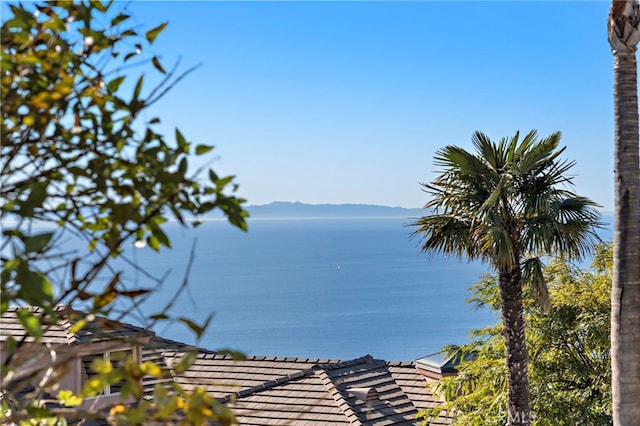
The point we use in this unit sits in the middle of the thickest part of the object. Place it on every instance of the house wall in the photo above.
(63, 363)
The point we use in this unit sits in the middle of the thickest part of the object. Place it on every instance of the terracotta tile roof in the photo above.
(53, 333)
(59, 333)
(417, 387)
(271, 390)
(299, 391)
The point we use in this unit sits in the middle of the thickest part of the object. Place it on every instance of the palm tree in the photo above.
(624, 33)
(508, 204)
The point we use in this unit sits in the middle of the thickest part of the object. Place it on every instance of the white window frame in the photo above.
(86, 373)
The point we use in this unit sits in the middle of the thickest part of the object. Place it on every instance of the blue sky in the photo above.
(347, 102)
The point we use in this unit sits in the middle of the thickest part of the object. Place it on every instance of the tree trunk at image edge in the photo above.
(518, 401)
(623, 27)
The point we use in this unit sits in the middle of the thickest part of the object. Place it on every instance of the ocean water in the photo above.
(317, 288)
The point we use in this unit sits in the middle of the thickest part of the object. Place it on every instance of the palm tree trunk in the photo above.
(518, 401)
(624, 21)
(625, 296)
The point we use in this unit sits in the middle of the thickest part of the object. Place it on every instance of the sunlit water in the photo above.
(314, 288)
(317, 288)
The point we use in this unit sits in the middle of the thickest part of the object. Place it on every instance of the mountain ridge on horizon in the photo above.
(297, 209)
(291, 209)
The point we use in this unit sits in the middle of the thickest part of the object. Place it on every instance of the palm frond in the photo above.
(533, 276)
(510, 149)
(524, 146)
(567, 226)
(507, 198)
(539, 155)
(498, 243)
(446, 234)
(485, 148)
(461, 162)
(496, 195)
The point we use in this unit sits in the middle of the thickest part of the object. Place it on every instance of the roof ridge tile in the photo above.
(267, 385)
(338, 397)
(366, 359)
(401, 363)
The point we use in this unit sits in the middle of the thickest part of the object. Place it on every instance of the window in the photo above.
(117, 359)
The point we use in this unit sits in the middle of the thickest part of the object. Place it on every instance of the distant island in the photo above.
(286, 210)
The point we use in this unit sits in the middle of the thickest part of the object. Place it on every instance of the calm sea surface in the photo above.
(322, 288)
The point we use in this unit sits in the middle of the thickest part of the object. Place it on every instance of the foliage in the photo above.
(508, 204)
(508, 199)
(81, 158)
(570, 362)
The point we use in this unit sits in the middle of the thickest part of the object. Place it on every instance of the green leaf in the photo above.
(10, 346)
(98, 5)
(12, 233)
(68, 399)
(185, 362)
(138, 89)
(183, 145)
(177, 214)
(78, 326)
(135, 293)
(222, 182)
(23, 15)
(118, 19)
(203, 149)
(35, 288)
(16, 23)
(161, 236)
(38, 412)
(153, 242)
(36, 198)
(78, 171)
(160, 316)
(55, 24)
(156, 63)
(153, 33)
(152, 369)
(197, 329)
(129, 56)
(37, 242)
(109, 294)
(114, 84)
(104, 299)
(30, 322)
(182, 166)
